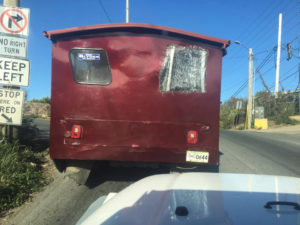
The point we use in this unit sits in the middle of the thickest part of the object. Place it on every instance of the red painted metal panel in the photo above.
(133, 27)
(130, 119)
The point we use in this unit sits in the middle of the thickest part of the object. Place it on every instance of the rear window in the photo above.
(90, 66)
(184, 69)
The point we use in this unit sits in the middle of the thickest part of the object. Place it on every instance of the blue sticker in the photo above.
(88, 56)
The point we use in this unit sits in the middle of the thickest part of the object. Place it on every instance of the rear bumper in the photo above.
(129, 154)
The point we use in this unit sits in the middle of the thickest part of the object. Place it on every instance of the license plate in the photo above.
(196, 156)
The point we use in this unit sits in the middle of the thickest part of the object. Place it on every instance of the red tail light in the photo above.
(192, 137)
(76, 131)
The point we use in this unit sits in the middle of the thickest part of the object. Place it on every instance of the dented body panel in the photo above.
(133, 118)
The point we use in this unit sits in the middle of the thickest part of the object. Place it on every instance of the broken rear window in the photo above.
(184, 69)
(90, 66)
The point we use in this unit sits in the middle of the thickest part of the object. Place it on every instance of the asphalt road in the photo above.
(260, 153)
(44, 127)
(63, 202)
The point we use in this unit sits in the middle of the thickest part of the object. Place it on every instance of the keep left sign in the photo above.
(14, 72)
(14, 20)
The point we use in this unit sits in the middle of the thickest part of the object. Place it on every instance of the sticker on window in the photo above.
(88, 56)
(90, 66)
(197, 156)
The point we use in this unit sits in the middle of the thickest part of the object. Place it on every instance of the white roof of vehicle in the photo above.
(209, 198)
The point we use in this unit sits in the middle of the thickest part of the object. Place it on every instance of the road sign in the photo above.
(13, 46)
(11, 104)
(14, 72)
(14, 20)
(239, 104)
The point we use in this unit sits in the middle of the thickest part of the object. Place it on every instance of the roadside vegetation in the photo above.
(20, 174)
(21, 171)
(42, 100)
(276, 110)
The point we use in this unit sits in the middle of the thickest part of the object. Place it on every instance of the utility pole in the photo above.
(298, 90)
(249, 111)
(127, 11)
(12, 131)
(278, 55)
(14, 3)
(248, 120)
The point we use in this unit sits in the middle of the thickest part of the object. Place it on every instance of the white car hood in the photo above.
(209, 198)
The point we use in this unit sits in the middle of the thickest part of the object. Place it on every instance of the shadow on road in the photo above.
(102, 173)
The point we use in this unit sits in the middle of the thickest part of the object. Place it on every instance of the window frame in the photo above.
(168, 59)
(73, 71)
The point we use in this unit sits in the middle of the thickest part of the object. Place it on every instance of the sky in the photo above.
(254, 23)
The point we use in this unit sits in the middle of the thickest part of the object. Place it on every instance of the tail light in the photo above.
(192, 137)
(76, 131)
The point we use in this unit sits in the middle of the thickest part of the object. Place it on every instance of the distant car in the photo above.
(200, 198)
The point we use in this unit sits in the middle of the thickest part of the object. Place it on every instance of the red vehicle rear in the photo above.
(135, 93)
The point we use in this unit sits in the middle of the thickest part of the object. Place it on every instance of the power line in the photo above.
(262, 17)
(244, 85)
(289, 76)
(262, 29)
(286, 77)
(267, 34)
(240, 89)
(263, 63)
(258, 29)
(104, 10)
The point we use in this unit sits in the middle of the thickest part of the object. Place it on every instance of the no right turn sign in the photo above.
(14, 20)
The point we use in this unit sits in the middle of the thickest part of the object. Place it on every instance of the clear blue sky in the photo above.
(254, 23)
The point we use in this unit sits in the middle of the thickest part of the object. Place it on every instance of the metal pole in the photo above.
(127, 11)
(12, 132)
(298, 90)
(249, 112)
(253, 90)
(14, 3)
(278, 55)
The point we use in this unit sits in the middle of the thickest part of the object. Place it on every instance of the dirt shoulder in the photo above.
(292, 129)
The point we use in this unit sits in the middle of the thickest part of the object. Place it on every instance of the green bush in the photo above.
(284, 118)
(227, 117)
(20, 174)
(277, 109)
(42, 100)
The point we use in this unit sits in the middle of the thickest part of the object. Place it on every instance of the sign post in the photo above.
(14, 68)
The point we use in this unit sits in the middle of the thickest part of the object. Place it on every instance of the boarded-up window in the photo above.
(184, 69)
(90, 66)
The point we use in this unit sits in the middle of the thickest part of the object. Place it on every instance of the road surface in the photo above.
(44, 128)
(260, 153)
(63, 202)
